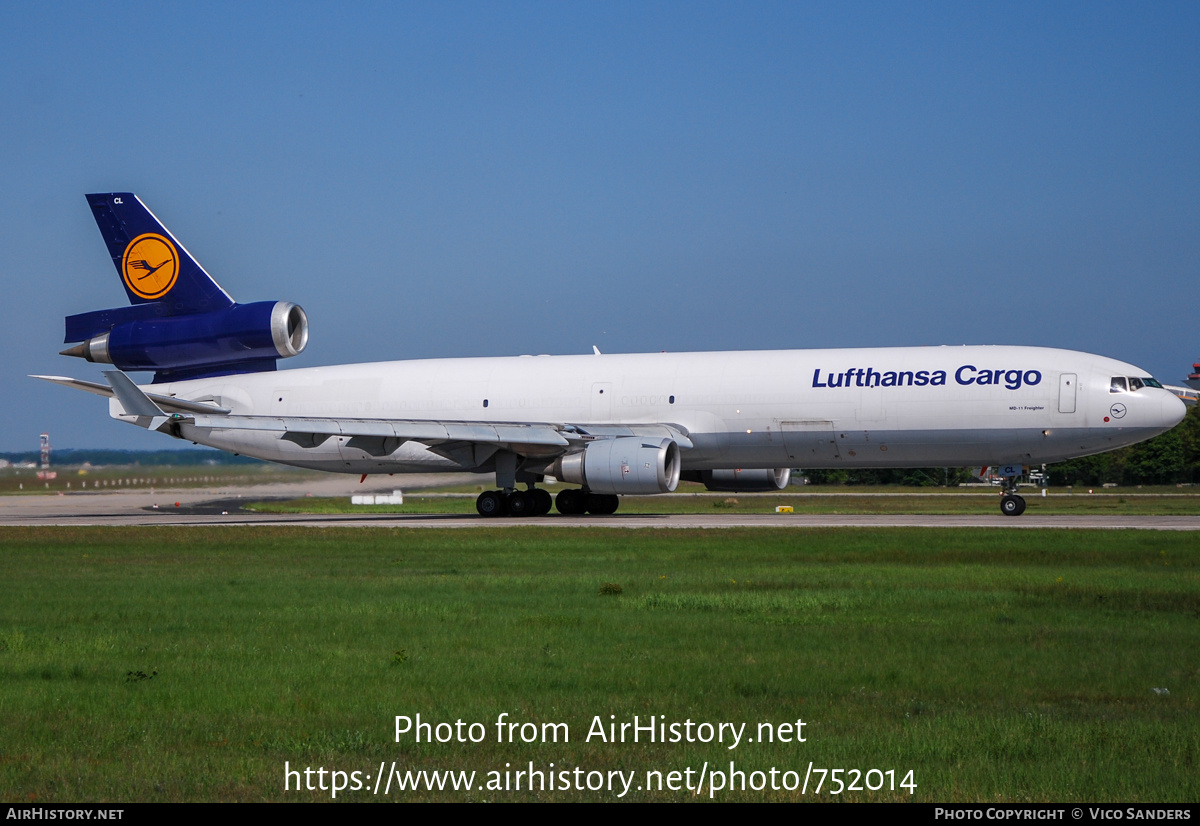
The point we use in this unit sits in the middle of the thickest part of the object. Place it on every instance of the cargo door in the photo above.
(810, 443)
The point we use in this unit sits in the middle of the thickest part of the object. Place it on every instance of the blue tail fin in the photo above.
(179, 322)
(153, 266)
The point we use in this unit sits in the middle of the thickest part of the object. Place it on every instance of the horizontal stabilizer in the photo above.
(167, 403)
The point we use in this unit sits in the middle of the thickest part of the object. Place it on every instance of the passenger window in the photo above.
(1118, 385)
(1135, 384)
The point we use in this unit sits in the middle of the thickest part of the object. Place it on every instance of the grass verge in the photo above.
(190, 664)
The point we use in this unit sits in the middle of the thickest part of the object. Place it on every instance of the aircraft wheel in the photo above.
(543, 501)
(570, 502)
(490, 503)
(520, 504)
(602, 503)
(1011, 505)
(1021, 502)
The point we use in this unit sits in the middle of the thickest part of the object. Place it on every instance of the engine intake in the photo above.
(624, 465)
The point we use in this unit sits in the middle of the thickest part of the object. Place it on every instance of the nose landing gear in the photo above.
(1012, 505)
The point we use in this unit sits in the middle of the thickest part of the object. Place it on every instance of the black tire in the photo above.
(1021, 501)
(602, 504)
(1011, 505)
(570, 502)
(520, 504)
(542, 500)
(490, 503)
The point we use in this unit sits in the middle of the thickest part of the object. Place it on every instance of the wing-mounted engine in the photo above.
(742, 481)
(629, 464)
(237, 339)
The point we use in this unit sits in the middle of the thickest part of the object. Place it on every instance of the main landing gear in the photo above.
(532, 502)
(576, 502)
(538, 502)
(508, 501)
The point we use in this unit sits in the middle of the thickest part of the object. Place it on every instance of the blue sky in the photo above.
(460, 179)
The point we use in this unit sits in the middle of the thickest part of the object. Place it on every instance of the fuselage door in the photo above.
(810, 442)
(1066, 392)
(602, 401)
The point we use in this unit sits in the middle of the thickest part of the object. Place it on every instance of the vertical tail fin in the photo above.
(153, 266)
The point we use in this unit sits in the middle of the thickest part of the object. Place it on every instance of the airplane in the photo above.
(606, 424)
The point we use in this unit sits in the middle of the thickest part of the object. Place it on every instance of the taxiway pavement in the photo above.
(219, 506)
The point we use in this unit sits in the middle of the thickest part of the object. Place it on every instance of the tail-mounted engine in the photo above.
(241, 338)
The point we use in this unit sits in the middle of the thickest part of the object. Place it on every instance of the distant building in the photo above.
(46, 472)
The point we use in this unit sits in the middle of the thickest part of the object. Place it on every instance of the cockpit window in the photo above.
(1130, 384)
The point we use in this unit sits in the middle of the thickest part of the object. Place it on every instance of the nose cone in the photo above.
(1173, 411)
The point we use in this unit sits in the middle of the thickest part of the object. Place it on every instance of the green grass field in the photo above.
(190, 664)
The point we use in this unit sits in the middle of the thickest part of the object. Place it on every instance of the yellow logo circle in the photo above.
(150, 266)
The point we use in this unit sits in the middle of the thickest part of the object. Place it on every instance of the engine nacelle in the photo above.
(625, 465)
(746, 481)
(236, 339)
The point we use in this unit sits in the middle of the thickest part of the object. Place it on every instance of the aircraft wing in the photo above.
(460, 441)
(456, 440)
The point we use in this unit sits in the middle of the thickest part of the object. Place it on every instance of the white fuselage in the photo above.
(853, 408)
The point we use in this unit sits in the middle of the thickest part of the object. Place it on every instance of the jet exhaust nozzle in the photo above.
(94, 349)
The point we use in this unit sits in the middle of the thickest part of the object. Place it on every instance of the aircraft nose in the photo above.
(1173, 410)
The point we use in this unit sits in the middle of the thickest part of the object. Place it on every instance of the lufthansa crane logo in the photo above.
(150, 266)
